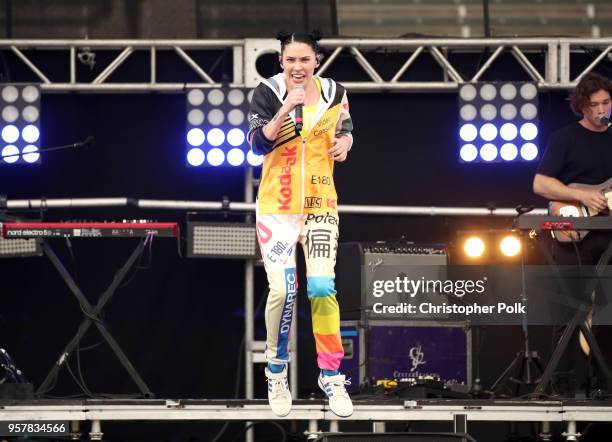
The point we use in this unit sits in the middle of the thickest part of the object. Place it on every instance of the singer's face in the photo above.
(299, 62)
(599, 103)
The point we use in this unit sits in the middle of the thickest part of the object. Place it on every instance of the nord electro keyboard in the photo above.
(89, 230)
(537, 222)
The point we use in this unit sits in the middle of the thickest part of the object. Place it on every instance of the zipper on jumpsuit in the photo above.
(303, 176)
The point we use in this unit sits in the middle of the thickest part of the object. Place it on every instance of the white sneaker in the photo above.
(334, 388)
(279, 395)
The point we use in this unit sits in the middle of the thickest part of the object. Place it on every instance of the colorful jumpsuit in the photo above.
(297, 202)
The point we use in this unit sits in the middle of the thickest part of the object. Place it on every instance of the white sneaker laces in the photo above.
(338, 388)
(278, 387)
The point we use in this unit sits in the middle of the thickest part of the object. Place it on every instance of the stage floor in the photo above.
(253, 410)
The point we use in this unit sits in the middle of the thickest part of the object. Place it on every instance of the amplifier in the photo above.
(392, 350)
(360, 264)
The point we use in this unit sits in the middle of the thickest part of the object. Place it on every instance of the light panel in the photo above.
(217, 126)
(498, 122)
(19, 124)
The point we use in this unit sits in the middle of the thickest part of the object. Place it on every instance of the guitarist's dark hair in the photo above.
(588, 85)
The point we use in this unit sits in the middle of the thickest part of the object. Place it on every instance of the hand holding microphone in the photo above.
(299, 109)
(295, 100)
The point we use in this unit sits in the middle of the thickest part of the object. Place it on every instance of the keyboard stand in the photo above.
(91, 315)
(578, 322)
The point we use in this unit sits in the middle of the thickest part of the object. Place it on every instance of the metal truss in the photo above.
(555, 74)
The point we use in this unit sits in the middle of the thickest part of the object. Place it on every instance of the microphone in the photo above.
(602, 119)
(299, 112)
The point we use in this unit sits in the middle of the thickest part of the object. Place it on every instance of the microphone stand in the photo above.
(89, 141)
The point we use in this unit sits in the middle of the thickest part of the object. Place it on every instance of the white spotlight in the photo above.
(195, 156)
(235, 157)
(235, 137)
(508, 112)
(468, 132)
(468, 152)
(216, 157)
(528, 91)
(508, 152)
(235, 97)
(195, 97)
(30, 154)
(467, 92)
(488, 152)
(488, 132)
(216, 137)
(10, 133)
(216, 97)
(488, 112)
(488, 92)
(30, 94)
(529, 111)
(195, 117)
(508, 131)
(30, 133)
(508, 91)
(10, 154)
(216, 117)
(10, 114)
(196, 137)
(235, 117)
(529, 131)
(253, 159)
(10, 94)
(529, 151)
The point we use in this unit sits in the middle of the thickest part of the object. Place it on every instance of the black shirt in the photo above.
(575, 154)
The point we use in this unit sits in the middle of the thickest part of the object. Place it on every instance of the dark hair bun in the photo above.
(316, 35)
(282, 35)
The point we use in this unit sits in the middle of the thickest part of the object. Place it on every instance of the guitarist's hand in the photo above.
(592, 198)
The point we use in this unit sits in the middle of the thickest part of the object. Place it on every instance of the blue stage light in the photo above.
(508, 131)
(195, 156)
(529, 131)
(468, 152)
(196, 137)
(488, 152)
(30, 134)
(10, 133)
(488, 132)
(529, 151)
(253, 159)
(216, 157)
(216, 137)
(508, 152)
(236, 137)
(235, 157)
(10, 154)
(30, 154)
(468, 132)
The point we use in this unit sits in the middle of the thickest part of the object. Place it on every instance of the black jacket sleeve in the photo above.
(261, 111)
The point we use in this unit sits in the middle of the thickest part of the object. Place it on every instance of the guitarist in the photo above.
(580, 152)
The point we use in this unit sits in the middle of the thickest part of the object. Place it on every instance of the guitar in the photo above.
(577, 209)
